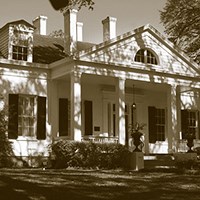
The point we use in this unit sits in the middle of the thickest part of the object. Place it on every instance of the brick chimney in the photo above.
(109, 28)
(40, 24)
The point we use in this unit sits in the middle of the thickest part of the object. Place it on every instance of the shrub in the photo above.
(189, 164)
(6, 151)
(89, 155)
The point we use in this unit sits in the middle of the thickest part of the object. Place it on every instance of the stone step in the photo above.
(159, 161)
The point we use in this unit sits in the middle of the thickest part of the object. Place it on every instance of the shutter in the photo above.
(198, 125)
(13, 116)
(152, 124)
(198, 128)
(88, 118)
(63, 117)
(41, 118)
(184, 123)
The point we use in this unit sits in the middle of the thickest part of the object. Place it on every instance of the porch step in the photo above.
(159, 161)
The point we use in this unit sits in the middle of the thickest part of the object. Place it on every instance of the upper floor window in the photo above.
(19, 53)
(145, 56)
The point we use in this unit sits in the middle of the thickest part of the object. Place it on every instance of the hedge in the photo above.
(67, 153)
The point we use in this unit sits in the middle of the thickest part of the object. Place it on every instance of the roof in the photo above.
(146, 28)
(21, 21)
(48, 49)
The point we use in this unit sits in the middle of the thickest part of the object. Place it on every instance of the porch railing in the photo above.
(100, 139)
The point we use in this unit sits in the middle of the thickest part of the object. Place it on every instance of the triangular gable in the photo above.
(122, 51)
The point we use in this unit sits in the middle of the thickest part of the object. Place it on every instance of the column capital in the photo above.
(76, 75)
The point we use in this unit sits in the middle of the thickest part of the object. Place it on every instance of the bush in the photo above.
(88, 155)
(6, 151)
(184, 165)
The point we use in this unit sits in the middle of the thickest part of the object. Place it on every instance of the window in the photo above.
(156, 124)
(160, 124)
(189, 123)
(127, 123)
(145, 56)
(27, 116)
(19, 53)
(112, 119)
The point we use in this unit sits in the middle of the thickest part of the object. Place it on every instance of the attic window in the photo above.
(145, 56)
(19, 53)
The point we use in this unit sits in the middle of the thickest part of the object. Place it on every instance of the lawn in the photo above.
(38, 184)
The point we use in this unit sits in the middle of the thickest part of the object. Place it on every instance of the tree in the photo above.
(60, 4)
(181, 19)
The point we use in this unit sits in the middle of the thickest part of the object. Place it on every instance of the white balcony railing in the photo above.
(100, 139)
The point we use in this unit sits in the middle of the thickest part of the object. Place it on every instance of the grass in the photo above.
(38, 184)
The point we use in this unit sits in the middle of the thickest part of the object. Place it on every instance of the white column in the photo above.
(76, 106)
(121, 96)
(53, 102)
(79, 31)
(178, 106)
(172, 117)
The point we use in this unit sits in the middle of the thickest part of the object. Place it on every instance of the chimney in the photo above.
(40, 24)
(70, 30)
(79, 31)
(109, 28)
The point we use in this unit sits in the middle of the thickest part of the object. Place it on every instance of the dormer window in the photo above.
(19, 53)
(20, 41)
(146, 56)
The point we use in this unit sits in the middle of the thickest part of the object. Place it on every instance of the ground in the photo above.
(49, 184)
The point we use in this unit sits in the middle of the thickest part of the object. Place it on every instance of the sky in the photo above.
(130, 14)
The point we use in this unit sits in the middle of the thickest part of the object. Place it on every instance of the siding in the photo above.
(4, 36)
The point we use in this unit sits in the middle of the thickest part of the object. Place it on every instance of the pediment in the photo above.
(122, 50)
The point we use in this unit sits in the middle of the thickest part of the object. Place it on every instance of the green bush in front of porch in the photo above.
(88, 155)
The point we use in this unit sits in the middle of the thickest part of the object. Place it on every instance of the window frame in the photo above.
(157, 125)
(13, 117)
(160, 124)
(21, 108)
(146, 56)
(112, 117)
(189, 116)
(19, 52)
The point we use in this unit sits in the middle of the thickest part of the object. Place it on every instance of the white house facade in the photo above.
(58, 88)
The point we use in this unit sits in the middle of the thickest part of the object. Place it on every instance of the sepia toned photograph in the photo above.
(100, 100)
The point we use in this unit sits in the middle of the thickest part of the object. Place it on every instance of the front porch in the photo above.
(98, 108)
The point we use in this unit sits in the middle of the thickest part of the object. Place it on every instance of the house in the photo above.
(66, 88)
